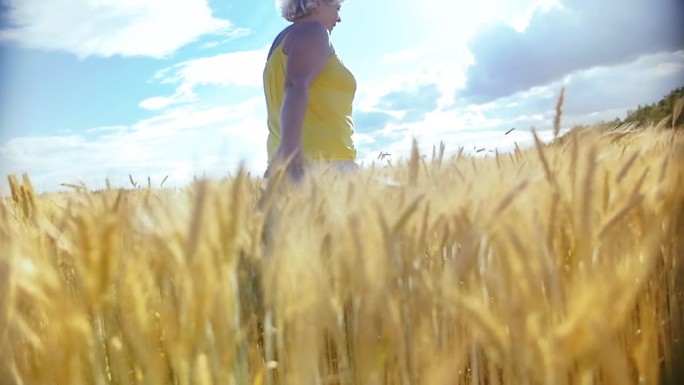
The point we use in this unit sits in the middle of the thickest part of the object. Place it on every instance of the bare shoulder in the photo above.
(308, 33)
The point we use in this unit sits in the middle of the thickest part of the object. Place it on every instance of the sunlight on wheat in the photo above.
(560, 264)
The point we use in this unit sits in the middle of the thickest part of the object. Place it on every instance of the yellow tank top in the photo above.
(328, 125)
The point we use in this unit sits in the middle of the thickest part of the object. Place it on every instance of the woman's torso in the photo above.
(328, 127)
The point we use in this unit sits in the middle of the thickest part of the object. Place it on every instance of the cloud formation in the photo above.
(181, 143)
(242, 69)
(414, 103)
(576, 36)
(111, 27)
(624, 87)
(592, 95)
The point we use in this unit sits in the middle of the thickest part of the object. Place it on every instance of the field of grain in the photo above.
(557, 264)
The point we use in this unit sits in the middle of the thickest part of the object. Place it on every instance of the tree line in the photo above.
(656, 112)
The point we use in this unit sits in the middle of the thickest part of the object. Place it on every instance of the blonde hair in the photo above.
(292, 10)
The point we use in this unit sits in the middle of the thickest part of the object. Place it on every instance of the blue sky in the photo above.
(95, 89)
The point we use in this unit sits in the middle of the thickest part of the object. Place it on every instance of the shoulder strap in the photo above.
(278, 39)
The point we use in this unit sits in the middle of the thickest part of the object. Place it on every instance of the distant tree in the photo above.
(656, 112)
(643, 116)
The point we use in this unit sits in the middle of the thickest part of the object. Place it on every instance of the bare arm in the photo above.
(308, 51)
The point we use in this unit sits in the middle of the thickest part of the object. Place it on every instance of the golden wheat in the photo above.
(559, 264)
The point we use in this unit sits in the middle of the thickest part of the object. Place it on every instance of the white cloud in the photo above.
(401, 56)
(521, 21)
(156, 103)
(575, 36)
(182, 119)
(448, 75)
(106, 28)
(361, 139)
(108, 129)
(459, 21)
(592, 95)
(242, 69)
(234, 34)
(181, 143)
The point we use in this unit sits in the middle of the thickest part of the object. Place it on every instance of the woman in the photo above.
(309, 92)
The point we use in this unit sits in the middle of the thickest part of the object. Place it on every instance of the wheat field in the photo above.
(557, 264)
